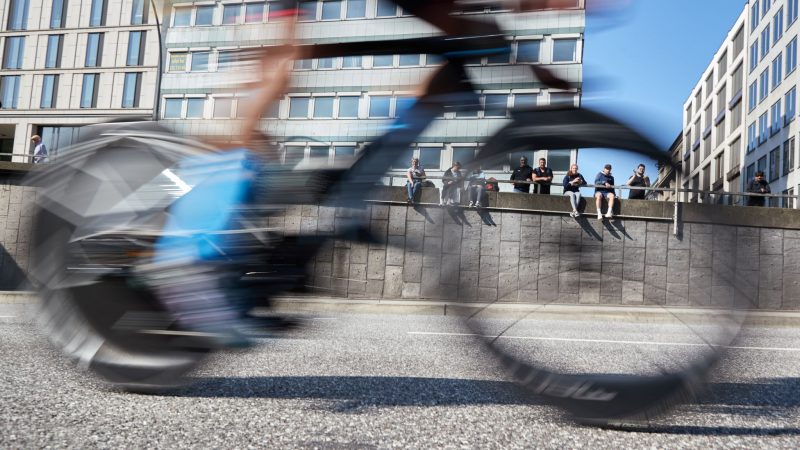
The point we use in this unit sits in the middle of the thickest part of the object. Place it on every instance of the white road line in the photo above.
(7, 317)
(606, 341)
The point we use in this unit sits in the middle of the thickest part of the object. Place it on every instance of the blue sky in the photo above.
(642, 64)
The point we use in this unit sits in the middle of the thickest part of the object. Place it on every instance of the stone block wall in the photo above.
(15, 224)
(427, 252)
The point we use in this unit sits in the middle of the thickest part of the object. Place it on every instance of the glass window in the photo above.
(348, 107)
(763, 128)
(254, 12)
(788, 163)
(754, 15)
(432, 60)
(308, 10)
(738, 42)
(89, 90)
(736, 116)
(764, 83)
(351, 61)
(564, 50)
(774, 164)
(177, 62)
(791, 11)
(430, 157)
(752, 96)
(298, 107)
(318, 152)
(323, 107)
(9, 91)
(403, 160)
(97, 13)
(356, 9)
(777, 71)
(94, 50)
(325, 63)
(195, 108)
(331, 10)
(562, 98)
(752, 137)
(528, 51)
(722, 66)
(223, 107)
(753, 55)
(49, 91)
(558, 160)
(227, 59)
(464, 155)
(775, 111)
(790, 100)
(765, 42)
(495, 105)
(409, 60)
(135, 48)
(344, 151)
(379, 106)
(14, 52)
(231, 14)
(200, 61)
(302, 64)
(131, 90)
(382, 60)
(525, 100)
(777, 26)
(293, 154)
(18, 15)
(761, 165)
(139, 12)
(204, 15)
(172, 108)
(182, 17)
(58, 14)
(54, 46)
(791, 56)
(402, 104)
(386, 8)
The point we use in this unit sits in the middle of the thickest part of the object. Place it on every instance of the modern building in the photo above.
(337, 105)
(772, 128)
(68, 63)
(669, 176)
(713, 121)
(740, 117)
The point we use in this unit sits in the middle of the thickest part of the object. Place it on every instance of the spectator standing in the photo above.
(543, 176)
(758, 185)
(451, 185)
(522, 173)
(638, 179)
(477, 188)
(572, 183)
(604, 188)
(39, 150)
(415, 175)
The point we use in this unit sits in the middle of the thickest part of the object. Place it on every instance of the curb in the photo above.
(655, 314)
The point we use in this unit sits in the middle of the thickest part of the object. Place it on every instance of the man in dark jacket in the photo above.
(522, 173)
(543, 176)
(604, 188)
(758, 186)
(452, 181)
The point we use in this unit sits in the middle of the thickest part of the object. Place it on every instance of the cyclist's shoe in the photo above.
(273, 324)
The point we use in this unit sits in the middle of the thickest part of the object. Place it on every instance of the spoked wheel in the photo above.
(92, 309)
(564, 347)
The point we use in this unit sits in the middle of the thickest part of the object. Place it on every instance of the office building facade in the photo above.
(337, 105)
(68, 63)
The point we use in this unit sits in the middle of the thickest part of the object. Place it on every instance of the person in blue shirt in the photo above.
(604, 188)
(572, 183)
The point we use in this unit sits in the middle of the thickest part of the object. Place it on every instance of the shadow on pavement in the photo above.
(362, 391)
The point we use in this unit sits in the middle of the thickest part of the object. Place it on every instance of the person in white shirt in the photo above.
(39, 150)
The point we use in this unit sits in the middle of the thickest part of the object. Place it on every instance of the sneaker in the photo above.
(410, 201)
(575, 214)
(478, 205)
(599, 215)
(609, 214)
(471, 204)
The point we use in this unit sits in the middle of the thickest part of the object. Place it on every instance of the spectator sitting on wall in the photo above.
(39, 150)
(522, 173)
(543, 176)
(604, 182)
(415, 175)
(638, 179)
(573, 180)
(451, 185)
(758, 185)
(477, 188)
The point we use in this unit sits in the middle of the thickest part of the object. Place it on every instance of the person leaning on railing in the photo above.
(758, 185)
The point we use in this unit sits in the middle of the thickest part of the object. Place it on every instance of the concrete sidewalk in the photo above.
(655, 314)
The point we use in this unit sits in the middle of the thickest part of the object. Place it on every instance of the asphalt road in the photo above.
(379, 381)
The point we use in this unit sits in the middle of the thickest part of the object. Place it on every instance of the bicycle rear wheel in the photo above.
(584, 333)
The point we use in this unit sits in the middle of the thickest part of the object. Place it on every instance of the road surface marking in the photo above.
(606, 341)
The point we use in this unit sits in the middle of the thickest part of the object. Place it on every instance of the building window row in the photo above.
(343, 106)
(90, 83)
